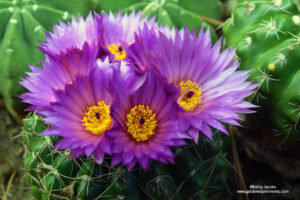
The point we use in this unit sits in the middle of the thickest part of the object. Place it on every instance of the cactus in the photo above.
(175, 13)
(266, 34)
(200, 171)
(22, 26)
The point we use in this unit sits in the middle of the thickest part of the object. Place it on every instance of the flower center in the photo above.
(118, 51)
(97, 120)
(190, 95)
(141, 123)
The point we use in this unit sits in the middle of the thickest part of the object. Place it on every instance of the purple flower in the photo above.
(210, 90)
(121, 28)
(104, 33)
(118, 34)
(81, 116)
(146, 127)
(73, 35)
(57, 72)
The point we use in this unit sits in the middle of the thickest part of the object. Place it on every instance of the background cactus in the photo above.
(267, 37)
(200, 172)
(175, 13)
(22, 26)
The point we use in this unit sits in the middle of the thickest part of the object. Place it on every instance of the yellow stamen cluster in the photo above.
(97, 120)
(190, 95)
(119, 53)
(141, 123)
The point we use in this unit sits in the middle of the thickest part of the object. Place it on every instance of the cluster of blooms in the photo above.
(124, 86)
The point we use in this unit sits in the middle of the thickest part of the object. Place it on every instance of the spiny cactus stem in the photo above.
(32, 177)
(178, 151)
(120, 197)
(48, 141)
(195, 149)
(45, 146)
(86, 182)
(226, 160)
(258, 88)
(109, 186)
(69, 190)
(191, 174)
(211, 172)
(159, 182)
(143, 189)
(296, 41)
(86, 178)
(160, 178)
(55, 176)
(51, 169)
(206, 161)
(181, 185)
(36, 117)
(55, 196)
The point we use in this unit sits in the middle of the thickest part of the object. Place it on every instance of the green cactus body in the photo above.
(161, 185)
(199, 172)
(267, 38)
(206, 168)
(22, 26)
(175, 13)
(122, 186)
(87, 187)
